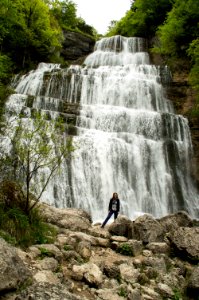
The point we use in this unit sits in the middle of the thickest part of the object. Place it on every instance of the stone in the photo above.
(172, 222)
(121, 226)
(68, 218)
(136, 247)
(146, 229)
(128, 273)
(150, 293)
(47, 291)
(112, 271)
(46, 276)
(13, 271)
(84, 249)
(185, 243)
(164, 290)
(50, 250)
(193, 283)
(119, 238)
(109, 294)
(90, 272)
(48, 263)
(158, 248)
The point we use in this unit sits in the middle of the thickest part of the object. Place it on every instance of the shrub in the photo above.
(125, 249)
(20, 228)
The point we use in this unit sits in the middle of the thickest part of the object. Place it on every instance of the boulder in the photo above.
(185, 243)
(88, 272)
(171, 222)
(146, 229)
(193, 284)
(158, 248)
(48, 263)
(68, 218)
(121, 226)
(13, 271)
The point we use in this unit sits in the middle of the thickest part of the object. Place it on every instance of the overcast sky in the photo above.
(99, 13)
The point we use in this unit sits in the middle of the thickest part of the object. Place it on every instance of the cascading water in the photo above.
(128, 138)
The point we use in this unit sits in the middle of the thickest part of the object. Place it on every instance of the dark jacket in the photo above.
(110, 207)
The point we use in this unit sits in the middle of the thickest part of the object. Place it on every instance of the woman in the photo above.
(114, 208)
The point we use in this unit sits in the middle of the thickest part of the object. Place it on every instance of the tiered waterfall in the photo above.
(127, 137)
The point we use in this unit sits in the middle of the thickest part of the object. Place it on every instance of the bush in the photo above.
(18, 227)
(125, 249)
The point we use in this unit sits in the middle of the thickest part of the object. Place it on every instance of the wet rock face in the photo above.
(183, 98)
(76, 45)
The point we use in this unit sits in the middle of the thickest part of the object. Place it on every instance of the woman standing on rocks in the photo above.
(114, 208)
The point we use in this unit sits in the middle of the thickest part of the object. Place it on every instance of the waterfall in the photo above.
(127, 137)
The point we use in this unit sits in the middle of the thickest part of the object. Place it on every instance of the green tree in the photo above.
(37, 146)
(180, 28)
(143, 18)
(27, 31)
(65, 13)
(193, 53)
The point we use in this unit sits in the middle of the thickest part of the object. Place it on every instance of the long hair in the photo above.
(115, 196)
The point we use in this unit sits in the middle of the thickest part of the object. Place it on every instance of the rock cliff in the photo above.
(183, 98)
(145, 259)
(76, 46)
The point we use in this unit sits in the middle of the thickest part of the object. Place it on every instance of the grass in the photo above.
(20, 229)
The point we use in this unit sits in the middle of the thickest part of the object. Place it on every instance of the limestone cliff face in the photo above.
(76, 46)
(183, 98)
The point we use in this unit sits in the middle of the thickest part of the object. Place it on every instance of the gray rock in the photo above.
(146, 229)
(158, 248)
(76, 45)
(193, 284)
(120, 227)
(13, 271)
(185, 242)
(47, 291)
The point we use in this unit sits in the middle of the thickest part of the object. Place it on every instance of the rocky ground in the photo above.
(145, 259)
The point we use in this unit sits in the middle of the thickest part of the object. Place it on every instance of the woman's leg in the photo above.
(107, 218)
(115, 215)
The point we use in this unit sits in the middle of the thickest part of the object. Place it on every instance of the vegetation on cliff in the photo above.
(173, 28)
(31, 32)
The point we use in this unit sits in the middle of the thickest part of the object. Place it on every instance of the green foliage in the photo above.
(180, 28)
(177, 295)
(21, 229)
(193, 53)
(125, 249)
(143, 18)
(38, 146)
(68, 247)
(45, 253)
(122, 292)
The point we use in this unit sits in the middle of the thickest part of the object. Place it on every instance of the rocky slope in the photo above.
(145, 259)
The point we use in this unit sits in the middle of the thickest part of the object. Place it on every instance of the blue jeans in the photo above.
(109, 216)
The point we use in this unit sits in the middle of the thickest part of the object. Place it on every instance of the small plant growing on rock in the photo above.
(122, 292)
(45, 253)
(125, 249)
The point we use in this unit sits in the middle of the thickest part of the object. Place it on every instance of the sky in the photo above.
(99, 13)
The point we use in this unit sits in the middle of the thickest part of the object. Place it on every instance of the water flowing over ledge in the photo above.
(128, 139)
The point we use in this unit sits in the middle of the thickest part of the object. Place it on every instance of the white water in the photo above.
(129, 139)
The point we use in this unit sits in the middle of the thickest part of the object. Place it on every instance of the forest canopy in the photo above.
(31, 31)
(172, 28)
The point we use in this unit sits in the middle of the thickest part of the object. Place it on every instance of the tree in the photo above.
(37, 146)
(180, 29)
(27, 31)
(143, 18)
